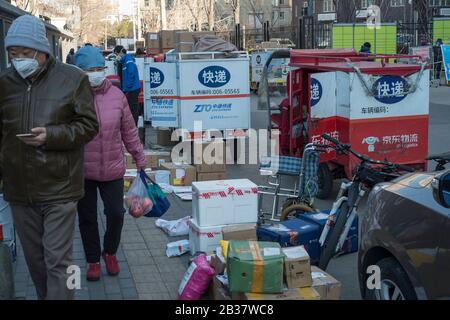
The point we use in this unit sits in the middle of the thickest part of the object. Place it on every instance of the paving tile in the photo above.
(154, 296)
(151, 287)
(134, 246)
(115, 296)
(132, 238)
(147, 277)
(144, 269)
(112, 289)
(139, 257)
(158, 252)
(130, 294)
(127, 283)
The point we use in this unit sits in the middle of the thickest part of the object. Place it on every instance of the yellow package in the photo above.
(224, 246)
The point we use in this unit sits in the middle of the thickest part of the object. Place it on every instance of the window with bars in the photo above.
(366, 3)
(328, 6)
(397, 3)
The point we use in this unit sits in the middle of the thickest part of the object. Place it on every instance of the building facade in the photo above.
(344, 11)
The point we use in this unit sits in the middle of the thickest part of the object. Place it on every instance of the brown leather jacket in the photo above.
(59, 99)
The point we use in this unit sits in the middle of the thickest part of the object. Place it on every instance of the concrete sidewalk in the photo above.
(146, 272)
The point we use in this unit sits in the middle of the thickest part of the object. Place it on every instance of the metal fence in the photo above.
(310, 34)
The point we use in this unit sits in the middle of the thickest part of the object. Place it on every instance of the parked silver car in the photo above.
(405, 238)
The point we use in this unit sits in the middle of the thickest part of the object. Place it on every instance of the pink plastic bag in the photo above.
(196, 280)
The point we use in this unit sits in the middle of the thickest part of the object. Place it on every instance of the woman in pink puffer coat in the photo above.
(105, 166)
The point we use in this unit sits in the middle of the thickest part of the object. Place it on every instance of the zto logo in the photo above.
(258, 59)
(316, 92)
(373, 17)
(371, 143)
(390, 89)
(74, 280)
(156, 78)
(214, 76)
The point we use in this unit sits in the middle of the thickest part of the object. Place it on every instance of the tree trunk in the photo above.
(163, 15)
(211, 15)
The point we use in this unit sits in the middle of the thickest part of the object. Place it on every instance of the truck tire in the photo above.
(325, 181)
(395, 284)
(327, 251)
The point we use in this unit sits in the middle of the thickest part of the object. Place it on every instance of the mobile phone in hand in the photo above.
(25, 135)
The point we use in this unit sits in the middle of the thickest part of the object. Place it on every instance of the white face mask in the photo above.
(96, 78)
(26, 66)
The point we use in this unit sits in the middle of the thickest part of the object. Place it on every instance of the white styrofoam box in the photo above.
(204, 239)
(6, 221)
(222, 202)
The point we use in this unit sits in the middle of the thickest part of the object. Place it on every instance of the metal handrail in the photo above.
(213, 54)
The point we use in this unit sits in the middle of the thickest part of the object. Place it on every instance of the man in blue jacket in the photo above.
(131, 85)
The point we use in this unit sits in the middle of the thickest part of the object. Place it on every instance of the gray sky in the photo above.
(126, 6)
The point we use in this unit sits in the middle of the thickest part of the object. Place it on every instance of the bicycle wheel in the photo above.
(328, 249)
(293, 208)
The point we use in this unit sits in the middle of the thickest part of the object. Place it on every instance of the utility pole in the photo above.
(163, 15)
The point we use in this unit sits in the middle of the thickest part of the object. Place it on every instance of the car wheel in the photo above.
(325, 181)
(395, 284)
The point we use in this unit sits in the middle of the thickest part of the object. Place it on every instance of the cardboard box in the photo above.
(184, 37)
(218, 291)
(224, 202)
(211, 176)
(167, 39)
(255, 267)
(140, 45)
(204, 239)
(164, 138)
(153, 42)
(211, 168)
(240, 232)
(213, 153)
(327, 286)
(154, 159)
(184, 47)
(290, 294)
(180, 174)
(297, 267)
(218, 263)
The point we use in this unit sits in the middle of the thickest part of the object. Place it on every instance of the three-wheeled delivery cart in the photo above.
(374, 103)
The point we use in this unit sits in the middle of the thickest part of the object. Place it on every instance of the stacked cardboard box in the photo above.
(152, 42)
(301, 281)
(185, 39)
(164, 137)
(180, 174)
(210, 160)
(154, 159)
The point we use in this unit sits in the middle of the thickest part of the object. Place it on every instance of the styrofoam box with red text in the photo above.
(204, 239)
(222, 202)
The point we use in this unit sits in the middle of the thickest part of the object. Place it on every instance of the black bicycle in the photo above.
(366, 175)
(441, 159)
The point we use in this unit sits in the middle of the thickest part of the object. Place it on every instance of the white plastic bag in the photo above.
(177, 248)
(174, 228)
(137, 199)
